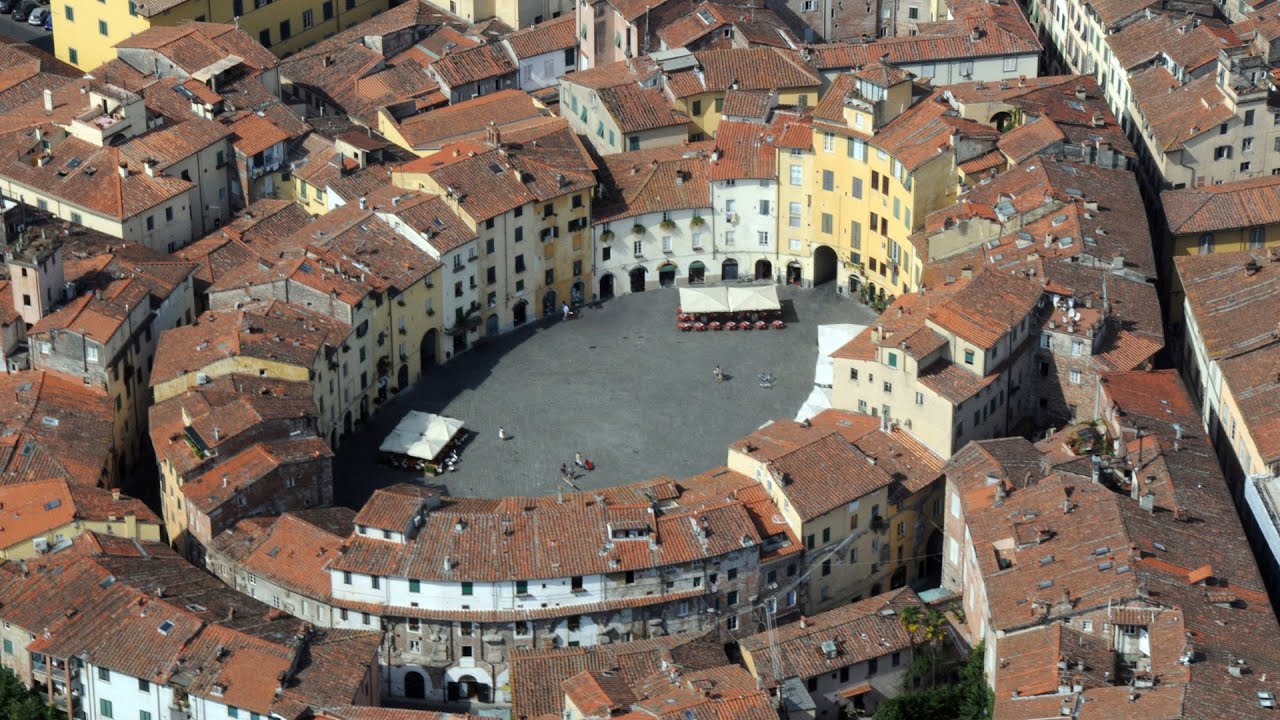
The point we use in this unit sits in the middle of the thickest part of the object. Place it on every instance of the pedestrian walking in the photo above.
(579, 461)
(502, 433)
(565, 309)
(719, 374)
(564, 473)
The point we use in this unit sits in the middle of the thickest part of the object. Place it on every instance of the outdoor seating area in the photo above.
(423, 441)
(729, 308)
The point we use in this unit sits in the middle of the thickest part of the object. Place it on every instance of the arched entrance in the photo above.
(824, 265)
(468, 688)
(697, 273)
(415, 685)
(667, 275)
(606, 287)
(549, 303)
(1002, 121)
(854, 284)
(577, 293)
(427, 349)
(491, 325)
(346, 423)
(793, 273)
(729, 270)
(520, 312)
(402, 377)
(637, 279)
(764, 270)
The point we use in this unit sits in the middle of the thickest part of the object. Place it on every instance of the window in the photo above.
(104, 708)
(1222, 152)
(102, 28)
(1046, 340)
(828, 142)
(1010, 64)
(467, 589)
(8, 647)
(793, 214)
(73, 56)
(346, 577)
(1248, 117)
(285, 31)
(144, 686)
(797, 175)
(826, 567)
(1256, 238)
(264, 36)
(1077, 347)
(326, 10)
(762, 237)
(1246, 166)
(764, 208)
(1206, 243)
(828, 180)
(104, 674)
(168, 215)
(666, 244)
(853, 373)
(520, 263)
(70, 13)
(1246, 145)
(888, 387)
(308, 19)
(919, 398)
(968, 357)
(697, 107)
(826, 223)
(893, 360)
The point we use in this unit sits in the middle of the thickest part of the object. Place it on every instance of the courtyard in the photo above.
(619, 384)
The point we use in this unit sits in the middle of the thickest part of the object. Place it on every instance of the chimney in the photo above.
(976, 34)
(1098, 120)
(1022, 81)
(364, 203)
(1080, 92)
(123, 170)
(115, 494)
(150, 165)
(966, 272)
(804, 622)
(48, 101)
(492, 135)
(1148, 502)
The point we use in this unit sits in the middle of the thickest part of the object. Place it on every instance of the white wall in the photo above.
(122, 691)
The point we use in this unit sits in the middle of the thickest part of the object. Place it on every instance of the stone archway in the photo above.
(637, 276)
(824, 265)
(549, 306)
(729, 269)
(667, 275)
(697, 272)
(606, 287)
(427, 349)
(402, 378)
(577, 293)
(764, 269)
(415, 685)
(520, 312)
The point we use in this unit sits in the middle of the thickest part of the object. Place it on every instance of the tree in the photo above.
(19, 703)
(967, 699)
(911, 619)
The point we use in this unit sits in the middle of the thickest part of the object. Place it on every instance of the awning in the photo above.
(421, 435)
(853, 692)
(704, 300)
(696, 265)
(754, 298)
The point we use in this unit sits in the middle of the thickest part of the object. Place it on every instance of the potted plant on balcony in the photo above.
(697, 221)
(637, 229)
(668, 224)
(606, 236)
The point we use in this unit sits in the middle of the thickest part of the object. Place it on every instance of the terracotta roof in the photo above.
(1255, 386)
(984, 310)
(468, 119)
(547, 37)
(1026, 141)
(743, 152)
(1234, 310)
(1228, 206)
(637, 109)
(1175, 113)
(194, 46)
(536, 673)
(757, 26)
(748, 104)
(1190, 42)
(917, 135)
(33, 509)
(743, 68)
(861, 631)
(655, 180)
(469, 65)
(903, 326)
(219, 335)
(56, 427)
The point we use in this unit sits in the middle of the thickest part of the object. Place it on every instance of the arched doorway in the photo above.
(346, 423)
(427, 349)
(764, 270)
(729, 270)
(415, 685)
(637, 279)
(606, 287)
(577, 293)
(491, 325)
(824, 265)
(793, 273)
(468, 688)
(402, 377)
(854, 284)
(520, 312)
(697, 273)
(549, 303)
(667, 275)
(1002, 121)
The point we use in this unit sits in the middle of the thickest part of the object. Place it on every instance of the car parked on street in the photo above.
(8, 6)
(38, 16)
(24, 11)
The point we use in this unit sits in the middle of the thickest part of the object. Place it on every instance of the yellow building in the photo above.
(881, 164)
(45, 516)
(528, 215)
(1208, 219)
(88, 30)
(699, 91)
(865, 499)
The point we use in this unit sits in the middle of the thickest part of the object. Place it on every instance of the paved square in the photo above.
(619, 384)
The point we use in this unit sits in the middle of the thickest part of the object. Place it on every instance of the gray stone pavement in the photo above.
(619, 384)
